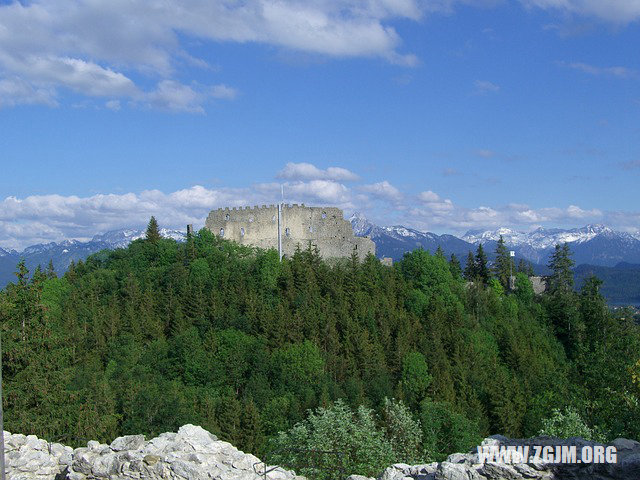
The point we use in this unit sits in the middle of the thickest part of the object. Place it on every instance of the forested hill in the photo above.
(160, 334)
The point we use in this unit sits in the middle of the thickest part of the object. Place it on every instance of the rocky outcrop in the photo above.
(468, 466)
(29, 458)
(195, 454)
(190, 454)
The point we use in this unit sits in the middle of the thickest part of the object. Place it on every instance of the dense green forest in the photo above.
(148, 338)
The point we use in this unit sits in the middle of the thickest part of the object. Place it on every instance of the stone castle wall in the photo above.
(322, 227)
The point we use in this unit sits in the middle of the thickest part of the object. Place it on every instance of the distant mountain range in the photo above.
(395, 241)
(611, 255)
(592, 244)
(63, 253)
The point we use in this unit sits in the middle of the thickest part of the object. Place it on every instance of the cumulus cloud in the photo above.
(382, 190)
(100, 49)
(429, 196)
(15, 91)
(97, 48)
(483, 87)
(43, 218)
(308, 171)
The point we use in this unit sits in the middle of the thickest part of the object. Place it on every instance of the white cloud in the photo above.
(40, 218)
(429, 196)
(484, 153)
(100, 49)
(577, 212)
(383, 190)
(319, 191)
(619, 72)
(15, 91)
(223, 91)
(171, 95)
(43, 218)
(483, 87)
(308, 171)
(451, 172)
(616, 11)
(113, 105)
(95, 48)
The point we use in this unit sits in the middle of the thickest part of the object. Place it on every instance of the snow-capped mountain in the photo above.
(512, 237)
(361, 225)
(592, 244)
(63, 253)
(395, 241)
(541, 238)
(4, 253)
(122, 238)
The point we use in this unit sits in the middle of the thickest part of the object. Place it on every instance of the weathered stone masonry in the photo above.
(322, 227)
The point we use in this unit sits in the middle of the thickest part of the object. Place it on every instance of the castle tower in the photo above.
(321, 227)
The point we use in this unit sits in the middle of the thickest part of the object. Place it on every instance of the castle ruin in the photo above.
(295, 225)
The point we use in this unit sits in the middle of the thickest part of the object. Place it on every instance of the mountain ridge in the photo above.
(592, 244)
(596, 245)
(66, 251)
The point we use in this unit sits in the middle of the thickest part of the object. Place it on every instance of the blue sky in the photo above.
(443, 115)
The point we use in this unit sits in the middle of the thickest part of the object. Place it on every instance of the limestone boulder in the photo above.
(190, 454)
(30, 458)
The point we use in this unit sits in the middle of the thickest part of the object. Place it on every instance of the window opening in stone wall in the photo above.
(222, 232)
(287, 231)
(310, 229)
(324, 214)
(242, 232)
(273, 219)
(226, 217)
(250, 219)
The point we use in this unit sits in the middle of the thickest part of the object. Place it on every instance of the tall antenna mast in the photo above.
(280, 222)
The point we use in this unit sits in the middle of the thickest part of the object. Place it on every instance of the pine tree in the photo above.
(51, 271)
(439, 252)
(522, 266)
(23, 295)
(454, 266)
(503, 267)
(153, 232)
(250, 437)
(482, 270)
(561, 278)
(470, 268)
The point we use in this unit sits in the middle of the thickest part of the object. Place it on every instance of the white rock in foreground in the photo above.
(29, 458)
(191, 454)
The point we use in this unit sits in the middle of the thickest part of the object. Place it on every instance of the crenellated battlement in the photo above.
(265, 207)
(321, 227)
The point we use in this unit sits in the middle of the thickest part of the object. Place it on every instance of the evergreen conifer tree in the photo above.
(153, 232)
(454, 266)
(522, 266)
(503, 267)
(482, 270)
(51, 271)
(470, 268)
(561, 279)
